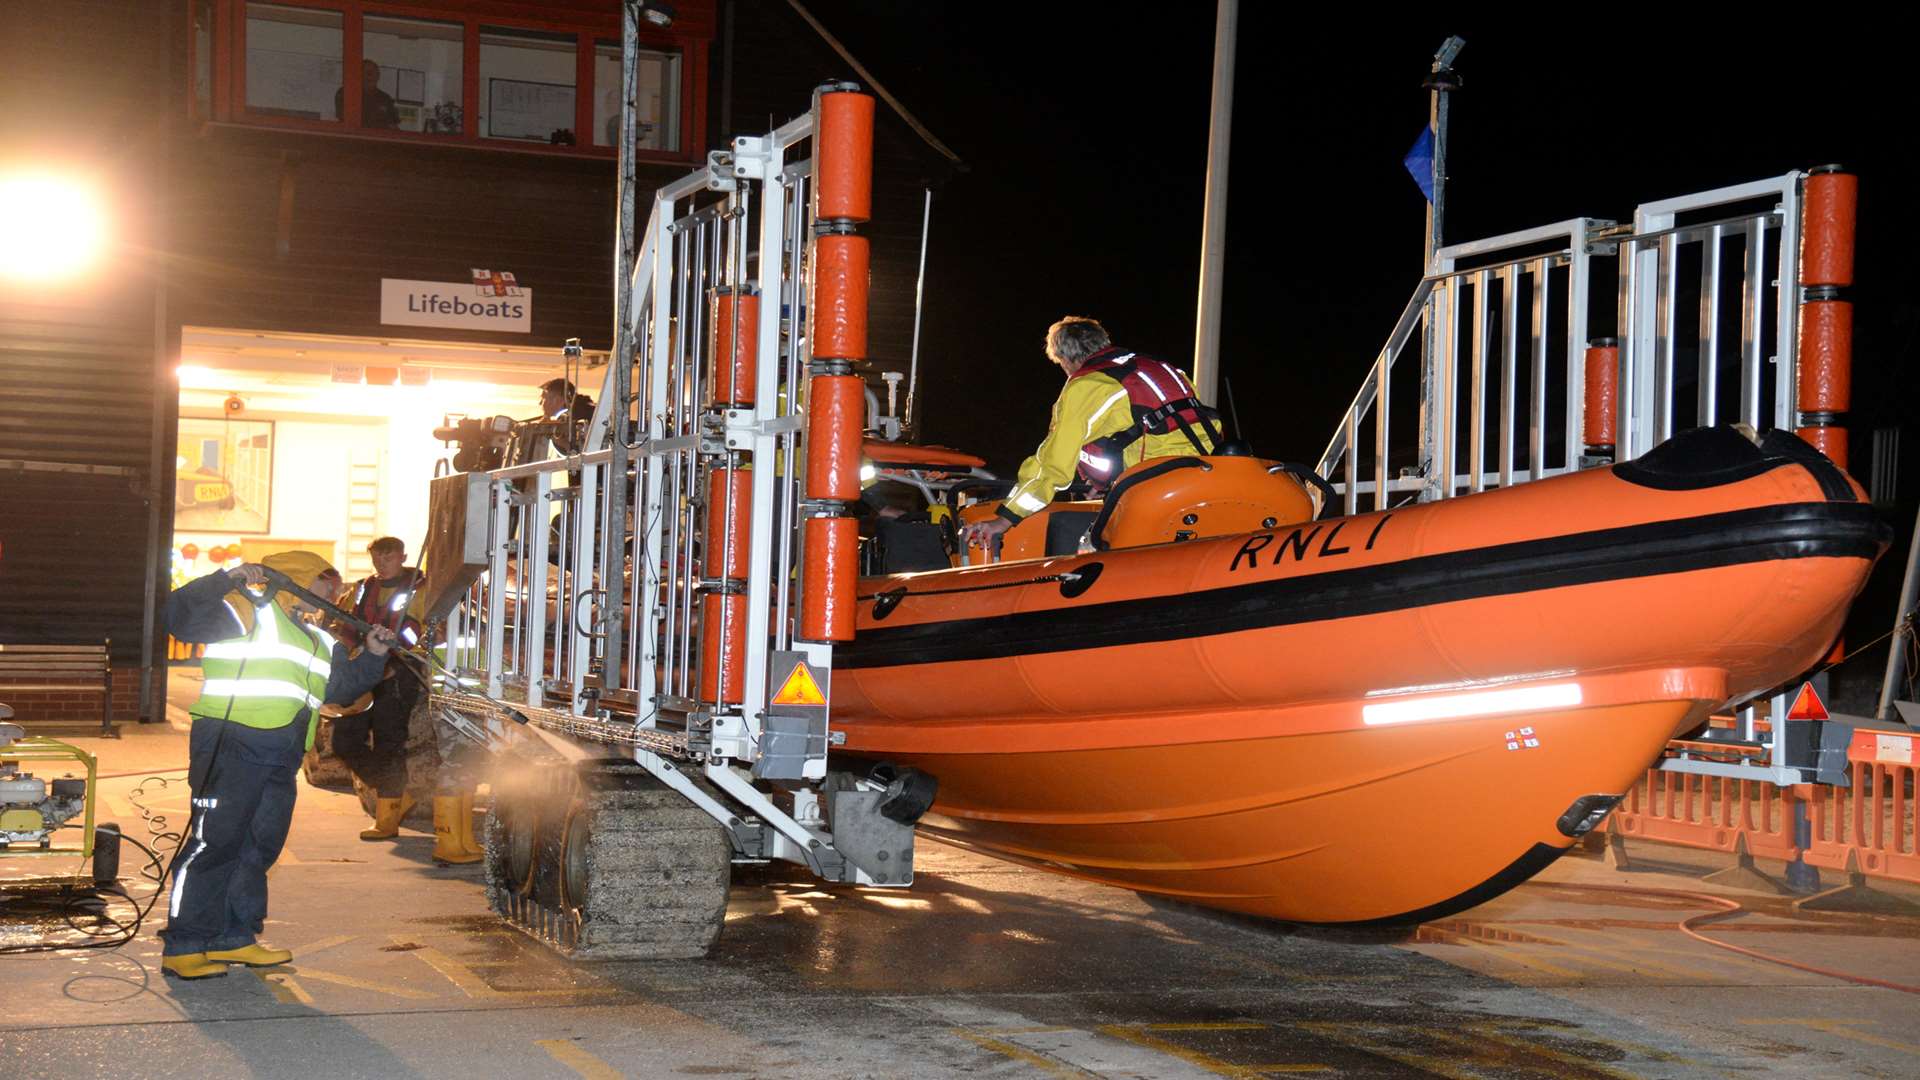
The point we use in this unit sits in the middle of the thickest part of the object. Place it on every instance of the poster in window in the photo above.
(223, 476)
(404, 84)
(528, 110)
(283, 83)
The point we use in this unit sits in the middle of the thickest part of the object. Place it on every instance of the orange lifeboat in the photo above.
(1385, 717)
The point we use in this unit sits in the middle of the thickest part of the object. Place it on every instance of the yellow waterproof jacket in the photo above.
(1091, 406)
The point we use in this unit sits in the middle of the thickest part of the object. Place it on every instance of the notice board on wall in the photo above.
(517, 109)
(283, 83)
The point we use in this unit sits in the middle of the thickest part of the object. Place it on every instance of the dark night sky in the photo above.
(1086, 135)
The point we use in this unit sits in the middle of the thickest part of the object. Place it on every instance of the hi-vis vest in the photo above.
(264, 678)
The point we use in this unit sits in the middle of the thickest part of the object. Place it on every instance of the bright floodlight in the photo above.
(50, 228)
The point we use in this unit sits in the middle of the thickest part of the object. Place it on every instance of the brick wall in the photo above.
(77, 706)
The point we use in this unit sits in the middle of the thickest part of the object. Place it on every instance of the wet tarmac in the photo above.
(980, 970)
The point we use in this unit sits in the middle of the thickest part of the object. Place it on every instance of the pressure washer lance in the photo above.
(277, 581)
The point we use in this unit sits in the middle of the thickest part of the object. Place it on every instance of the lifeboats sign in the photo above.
(488, 303)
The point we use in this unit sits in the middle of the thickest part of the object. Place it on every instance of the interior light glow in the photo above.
(51, 227)
(1474, 703)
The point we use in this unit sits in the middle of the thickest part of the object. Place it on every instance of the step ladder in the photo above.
(363, 512)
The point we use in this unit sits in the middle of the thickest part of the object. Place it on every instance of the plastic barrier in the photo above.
(1871, 827)
(1711, 812)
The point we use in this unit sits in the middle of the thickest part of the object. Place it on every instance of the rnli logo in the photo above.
(1522, 739)
(1303, 543)
(494, 282)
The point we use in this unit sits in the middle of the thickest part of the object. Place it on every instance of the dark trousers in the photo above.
(242, 780)
(383, 767)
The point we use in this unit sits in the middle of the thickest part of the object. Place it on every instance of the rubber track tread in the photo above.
(658, 869)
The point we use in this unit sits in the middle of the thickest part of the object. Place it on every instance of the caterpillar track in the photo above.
(601, 862)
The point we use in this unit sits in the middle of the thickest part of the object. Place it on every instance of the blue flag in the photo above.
(1419, 162)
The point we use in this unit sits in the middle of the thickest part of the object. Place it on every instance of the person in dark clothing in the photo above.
(392, 598)
(266, 676)
(376, 105)
(570, 410)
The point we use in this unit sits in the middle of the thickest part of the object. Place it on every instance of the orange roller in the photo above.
(836, 413)
(1828, 209)
(1603, 389)
(1826, 356)
(733, 348)
(844, 161)
(730, 521)
(827, 579)
(715, 653)
(1831, 441)
(840, 265)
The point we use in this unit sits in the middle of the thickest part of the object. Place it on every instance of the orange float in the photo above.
(1603, 394)
(733, 357)
(723, 647)
(1385, 717)
(841, 265)
(844, 188)
(827, 578)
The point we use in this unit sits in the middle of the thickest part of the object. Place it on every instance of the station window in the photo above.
(202, 68)
(527, 83)
(410, 75)
(658, 90)
(294, 58)
(478, 72)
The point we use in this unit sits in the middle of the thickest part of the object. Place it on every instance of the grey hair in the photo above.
(1075, 338)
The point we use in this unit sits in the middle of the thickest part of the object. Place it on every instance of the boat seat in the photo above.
(1190, 498)
(1066, 527)
(909, 546)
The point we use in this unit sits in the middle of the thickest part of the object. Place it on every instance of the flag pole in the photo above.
(1439, 83)
(1213, 222)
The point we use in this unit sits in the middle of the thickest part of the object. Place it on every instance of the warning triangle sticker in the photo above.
(801, 689)
(1807, 705)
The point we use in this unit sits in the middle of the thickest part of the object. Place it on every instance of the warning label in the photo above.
(1893, 748)
(1807, 705)
(800, 688)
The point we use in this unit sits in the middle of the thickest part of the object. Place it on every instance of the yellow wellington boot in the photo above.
(193, 965)
(467, 840)
(255, 955)
(446, 832)
(387, 815)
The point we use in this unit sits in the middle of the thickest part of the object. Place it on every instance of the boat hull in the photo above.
(1386, 717)
(1331, 827)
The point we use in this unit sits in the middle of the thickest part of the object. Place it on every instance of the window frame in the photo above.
(228, 94)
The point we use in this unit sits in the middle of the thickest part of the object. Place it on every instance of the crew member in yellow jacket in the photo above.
(1118, 409)
(267, 672)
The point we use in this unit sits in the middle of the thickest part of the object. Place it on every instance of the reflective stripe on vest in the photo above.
(252, 688)
(264, 679)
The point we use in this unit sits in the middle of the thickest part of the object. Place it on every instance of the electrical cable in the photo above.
(150, 774)
(1728, 908)
(71, 898)
(157, 870)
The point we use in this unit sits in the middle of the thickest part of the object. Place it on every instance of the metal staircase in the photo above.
(1590, 341)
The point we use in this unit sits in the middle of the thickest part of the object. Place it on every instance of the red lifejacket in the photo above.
(393, 613)
(1163, 401)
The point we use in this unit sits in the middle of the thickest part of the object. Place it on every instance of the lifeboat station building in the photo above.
(286, 242)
